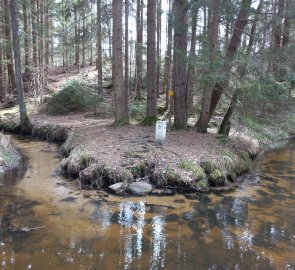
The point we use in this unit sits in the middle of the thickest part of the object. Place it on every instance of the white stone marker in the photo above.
(160, 135)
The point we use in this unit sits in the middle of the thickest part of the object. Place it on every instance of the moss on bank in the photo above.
(83, 163)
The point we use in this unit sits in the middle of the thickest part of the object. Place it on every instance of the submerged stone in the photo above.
(140, 188)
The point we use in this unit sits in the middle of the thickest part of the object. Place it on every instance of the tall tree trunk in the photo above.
(77, 39)
(98, 47)
(121, 97)
(151, 108)
(202, 124)
(139, 33)
(226, 122)
(168, 57)
(91, 33)
(235, 42)
(41, 46)
(8, 49)
(278, 29)
(27, 74)
(159, 17)
(287, 23)
(47, 42)
(26, 37)
(180, 64)
(2, 75)
(192, 58)
(34, 34)
(126, 67)
(84, 34)
(18, 74)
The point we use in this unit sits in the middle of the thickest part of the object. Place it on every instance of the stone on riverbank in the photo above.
(140, 188)
(118, 188)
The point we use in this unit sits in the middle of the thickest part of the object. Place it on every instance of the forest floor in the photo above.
(97, 153)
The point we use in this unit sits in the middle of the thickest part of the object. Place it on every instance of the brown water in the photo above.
(47, 224)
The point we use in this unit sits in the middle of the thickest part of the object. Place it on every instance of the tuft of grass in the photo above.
(189, 166)
(217, 178)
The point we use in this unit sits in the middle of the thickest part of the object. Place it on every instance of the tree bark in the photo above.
(139, 33)
(234, 44)
(151, 109)
(98, 47)
(278, 31)
(192, 58)
(180, 64)
(2, 75)
(126, 66)
(287, 23)
(159, 17)
(226, 122)
(207, 93)
(8, 49)
(121, 97)
(18, 74)
(168, 57)
(34, 34)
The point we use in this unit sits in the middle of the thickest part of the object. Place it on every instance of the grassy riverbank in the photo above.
(99, 154)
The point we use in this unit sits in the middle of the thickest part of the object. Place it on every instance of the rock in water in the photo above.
(118, 187)
(140, 188)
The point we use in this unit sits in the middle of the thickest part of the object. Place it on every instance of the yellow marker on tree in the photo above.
(170, 93)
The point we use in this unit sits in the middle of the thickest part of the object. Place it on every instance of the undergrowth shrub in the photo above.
(73, 97)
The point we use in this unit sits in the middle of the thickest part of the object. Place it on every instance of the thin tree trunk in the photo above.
(287, 23)
(18, 74)
(77, 39)
(235, 42)
(98, 47)
(151, 108)
(126, 46)
(180, 64)
(168, 57)
(139, 33)
(9, 57)
(91, 33)
(34, 33)
(2, 75)
(84, 35)
(159, 17)
(121, 97)
(191, 63)
(226, 122)
(202, 124)
(278, 29)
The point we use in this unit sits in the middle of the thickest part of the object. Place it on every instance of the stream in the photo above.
(47, 223)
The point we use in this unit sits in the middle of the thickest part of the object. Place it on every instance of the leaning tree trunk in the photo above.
(121, 97)
(25, 123)
(235, 42)
(180, 64)
(151, 108)
(226, 122)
